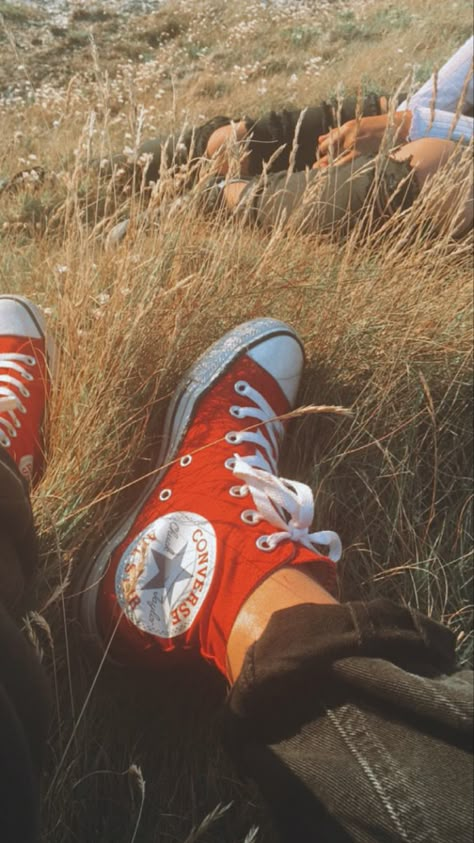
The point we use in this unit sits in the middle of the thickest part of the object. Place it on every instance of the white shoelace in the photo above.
(262, 412)
(10, 398)
(275, 496)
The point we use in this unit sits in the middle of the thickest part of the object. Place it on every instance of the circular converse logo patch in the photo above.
(163, 577)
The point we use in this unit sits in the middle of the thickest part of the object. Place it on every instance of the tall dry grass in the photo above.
(385, 318)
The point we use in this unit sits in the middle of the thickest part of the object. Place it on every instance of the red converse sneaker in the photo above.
(181, 564)
(25, 355)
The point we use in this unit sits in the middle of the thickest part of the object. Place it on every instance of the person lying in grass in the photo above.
(281, 162)
(422, 135)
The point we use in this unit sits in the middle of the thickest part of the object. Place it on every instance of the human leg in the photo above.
(355, 725)
(177, 569)
(24, 695)
(325, 201)
(348, 717)
(428, 155)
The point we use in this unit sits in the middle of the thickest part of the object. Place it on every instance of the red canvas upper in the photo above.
(27, 378)
(180, 582)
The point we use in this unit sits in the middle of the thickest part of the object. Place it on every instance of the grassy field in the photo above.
(385, 320)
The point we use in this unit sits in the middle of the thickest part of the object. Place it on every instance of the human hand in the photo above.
(362, 136)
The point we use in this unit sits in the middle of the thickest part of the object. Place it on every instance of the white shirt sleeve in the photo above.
(433, 110)
(426, 123)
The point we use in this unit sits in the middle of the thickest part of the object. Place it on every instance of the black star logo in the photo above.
(169, 572)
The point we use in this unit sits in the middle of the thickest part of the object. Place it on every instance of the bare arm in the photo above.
(362, 136)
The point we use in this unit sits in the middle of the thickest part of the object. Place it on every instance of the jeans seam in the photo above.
(382, 771)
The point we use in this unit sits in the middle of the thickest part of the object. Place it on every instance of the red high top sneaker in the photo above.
(25, 355)
(213, 523)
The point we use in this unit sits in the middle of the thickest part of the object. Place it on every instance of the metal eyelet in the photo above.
(17, 423)
(238, 491)
(27, 376)
(4, 440)
(249, 516)
(264, 543)
(233, 437)
(31, 361)
(21, 408)
(165, 494)
(230, 463)
(235, 412)
(24, 392)
(186, 460)
(241, 387)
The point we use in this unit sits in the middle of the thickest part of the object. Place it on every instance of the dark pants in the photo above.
(351, 718)
(333, 200)
(24, 691)
(356, 726)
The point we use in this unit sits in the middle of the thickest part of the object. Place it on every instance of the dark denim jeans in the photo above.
(356, 726)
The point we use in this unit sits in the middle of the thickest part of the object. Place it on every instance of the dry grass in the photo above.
(386, 323)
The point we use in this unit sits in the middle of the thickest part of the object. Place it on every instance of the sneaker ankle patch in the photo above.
(25, 466)
(164, 576)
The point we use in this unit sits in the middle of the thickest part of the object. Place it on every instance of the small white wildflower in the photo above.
(62, 268)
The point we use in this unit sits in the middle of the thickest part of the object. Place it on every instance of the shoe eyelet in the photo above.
(186, 460)
(233, 437)
(238, 491)
(21, 408)
(235, 412)
(5, 441)
(31, 361)
(27, 376)
(24, 392)
(241, 387)
(17, 423)
(165, 494)
(264, 543)
(230, 463)
(249, 516)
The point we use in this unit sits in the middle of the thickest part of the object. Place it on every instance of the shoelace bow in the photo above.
(275, 497)
(10, 400)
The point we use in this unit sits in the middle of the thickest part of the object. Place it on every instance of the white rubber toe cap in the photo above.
(20, 318)
(281, 356)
